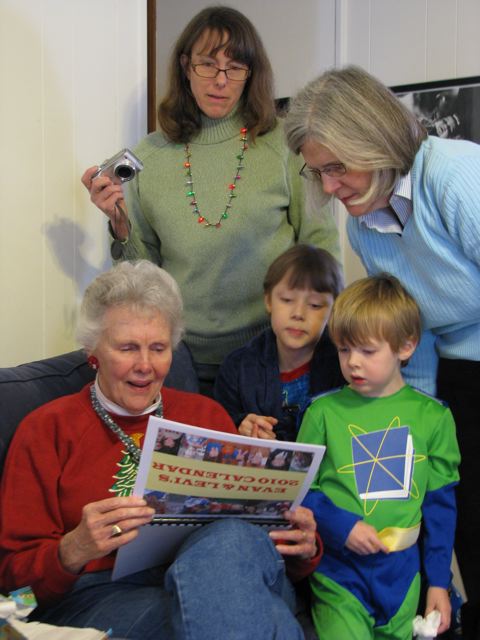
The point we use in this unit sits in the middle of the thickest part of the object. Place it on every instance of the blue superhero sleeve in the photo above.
(439, 510)
(334, 524)
(439, 517)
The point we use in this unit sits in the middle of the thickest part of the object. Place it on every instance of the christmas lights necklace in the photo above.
(201, 218)
(105, 417)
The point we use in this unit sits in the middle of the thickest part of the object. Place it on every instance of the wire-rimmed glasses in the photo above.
(333, 170)
(209, 70)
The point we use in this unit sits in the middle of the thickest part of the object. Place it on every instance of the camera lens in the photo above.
(124, 172)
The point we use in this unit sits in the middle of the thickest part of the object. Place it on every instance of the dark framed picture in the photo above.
(447, 108)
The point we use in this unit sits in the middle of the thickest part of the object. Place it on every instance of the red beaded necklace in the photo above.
(202, 219)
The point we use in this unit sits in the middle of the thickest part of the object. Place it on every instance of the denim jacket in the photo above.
(249, 381)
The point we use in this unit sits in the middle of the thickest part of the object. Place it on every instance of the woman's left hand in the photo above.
(300, 540)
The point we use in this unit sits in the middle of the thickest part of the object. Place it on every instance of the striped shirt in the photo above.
(392, 219)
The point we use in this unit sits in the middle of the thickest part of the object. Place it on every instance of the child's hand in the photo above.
(258, 426)
(437, 598)
(363, 539)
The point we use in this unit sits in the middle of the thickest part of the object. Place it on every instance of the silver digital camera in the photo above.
(121, 167)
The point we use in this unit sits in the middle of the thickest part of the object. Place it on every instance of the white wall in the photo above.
(73, 91)
(412, 40)
(73, 78)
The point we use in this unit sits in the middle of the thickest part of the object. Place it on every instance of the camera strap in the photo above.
(116, 248)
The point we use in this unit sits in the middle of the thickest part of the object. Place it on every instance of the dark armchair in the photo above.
(27, 386)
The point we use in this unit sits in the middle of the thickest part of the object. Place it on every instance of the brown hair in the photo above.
(178, 114)
(308, 267)
(377, 307)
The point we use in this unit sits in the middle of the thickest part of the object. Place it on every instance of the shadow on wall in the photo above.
(64, 237)
(70, 243)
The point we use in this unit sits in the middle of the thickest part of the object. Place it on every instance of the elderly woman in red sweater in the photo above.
(66, 503)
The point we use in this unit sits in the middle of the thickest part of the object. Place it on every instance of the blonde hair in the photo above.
(375, 308)
(361, 122)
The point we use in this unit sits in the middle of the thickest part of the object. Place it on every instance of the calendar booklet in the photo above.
(192, 476)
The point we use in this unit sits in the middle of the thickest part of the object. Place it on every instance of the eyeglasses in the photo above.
(209, 70)
(335, 170)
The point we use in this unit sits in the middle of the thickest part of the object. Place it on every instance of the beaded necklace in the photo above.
(202, 219)
(132, 448)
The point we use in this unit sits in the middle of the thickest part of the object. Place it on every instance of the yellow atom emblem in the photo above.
(383, 464)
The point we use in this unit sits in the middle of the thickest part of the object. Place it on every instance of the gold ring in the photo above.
(116, 531)
(304, 535)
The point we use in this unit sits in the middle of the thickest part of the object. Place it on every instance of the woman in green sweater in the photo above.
(220, 196)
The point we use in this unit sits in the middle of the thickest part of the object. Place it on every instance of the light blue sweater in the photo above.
(437, 257)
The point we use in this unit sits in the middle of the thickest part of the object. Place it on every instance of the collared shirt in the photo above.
(392, 219)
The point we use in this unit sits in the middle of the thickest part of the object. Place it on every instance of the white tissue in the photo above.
(7, 608)
(426, 628)
(12, 608)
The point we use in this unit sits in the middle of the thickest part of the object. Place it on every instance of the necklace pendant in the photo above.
(125, 439)
(231, 187)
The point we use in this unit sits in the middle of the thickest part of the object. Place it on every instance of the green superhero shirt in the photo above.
(383, 454)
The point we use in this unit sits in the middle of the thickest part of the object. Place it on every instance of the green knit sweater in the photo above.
(220, 270)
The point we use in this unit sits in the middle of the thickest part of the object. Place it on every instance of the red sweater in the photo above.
(61, 458)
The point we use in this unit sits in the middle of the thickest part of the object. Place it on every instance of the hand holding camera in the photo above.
(108, 197)
(120, 168)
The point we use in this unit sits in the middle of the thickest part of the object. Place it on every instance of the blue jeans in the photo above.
(227, 582)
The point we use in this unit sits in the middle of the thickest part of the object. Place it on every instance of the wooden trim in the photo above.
(151, 65)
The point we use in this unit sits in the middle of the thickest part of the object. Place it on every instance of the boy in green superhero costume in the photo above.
(390, 467)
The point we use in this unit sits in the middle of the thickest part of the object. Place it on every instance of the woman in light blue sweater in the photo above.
(414, 205)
